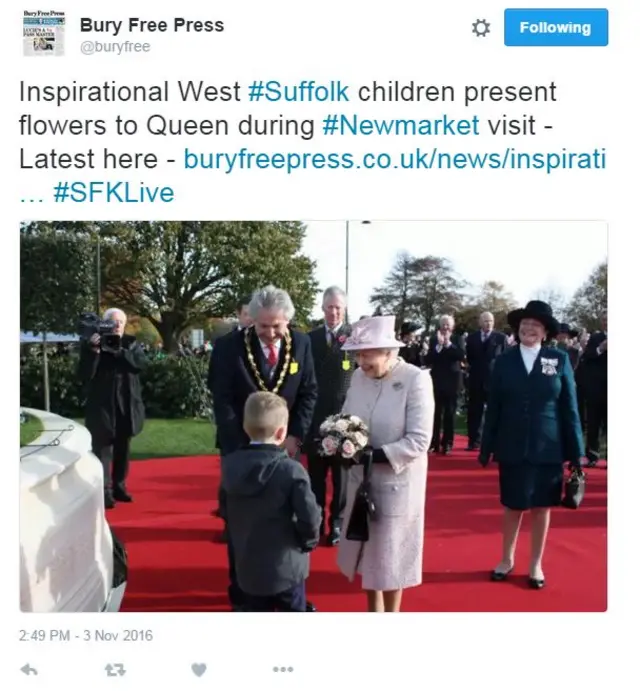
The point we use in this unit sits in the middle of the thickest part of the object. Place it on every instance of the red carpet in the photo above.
(176, 566)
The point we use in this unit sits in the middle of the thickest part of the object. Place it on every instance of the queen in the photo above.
(395, 401)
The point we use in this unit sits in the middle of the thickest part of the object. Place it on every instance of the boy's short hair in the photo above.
(264, 413)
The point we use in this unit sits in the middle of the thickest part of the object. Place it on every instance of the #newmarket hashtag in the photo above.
(330, 124)
(305, 92)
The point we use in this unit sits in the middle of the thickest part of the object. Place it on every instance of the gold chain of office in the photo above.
(254, 368)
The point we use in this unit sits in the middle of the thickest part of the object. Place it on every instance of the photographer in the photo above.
(109, 368)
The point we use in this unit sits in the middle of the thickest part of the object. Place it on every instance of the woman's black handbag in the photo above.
(574, 489)
(363, 509)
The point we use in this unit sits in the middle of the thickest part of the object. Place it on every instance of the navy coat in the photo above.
(532, 418)
(232, 381)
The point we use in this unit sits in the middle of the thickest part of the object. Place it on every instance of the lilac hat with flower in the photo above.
(373, 333)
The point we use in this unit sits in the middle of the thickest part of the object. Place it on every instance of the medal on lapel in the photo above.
(346, 365)
(293, 368)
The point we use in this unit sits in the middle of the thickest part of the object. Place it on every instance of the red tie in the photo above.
(272, 359)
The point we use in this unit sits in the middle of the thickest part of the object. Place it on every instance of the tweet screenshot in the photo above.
(314, 319)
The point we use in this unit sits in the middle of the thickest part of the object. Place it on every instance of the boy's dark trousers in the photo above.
(292, 600)
(236, 597)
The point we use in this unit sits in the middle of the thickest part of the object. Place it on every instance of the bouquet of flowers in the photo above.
(344, 436)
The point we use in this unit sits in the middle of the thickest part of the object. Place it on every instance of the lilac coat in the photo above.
(399, 412)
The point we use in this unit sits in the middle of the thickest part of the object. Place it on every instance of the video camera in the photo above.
(90, 324)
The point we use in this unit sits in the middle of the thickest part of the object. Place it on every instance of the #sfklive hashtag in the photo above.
(121, 192)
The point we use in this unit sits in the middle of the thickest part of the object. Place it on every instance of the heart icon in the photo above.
(198, 668)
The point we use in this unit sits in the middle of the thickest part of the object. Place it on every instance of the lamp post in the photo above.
(346, 254)
(98, 286)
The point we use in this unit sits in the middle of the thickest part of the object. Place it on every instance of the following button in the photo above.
(549, 28)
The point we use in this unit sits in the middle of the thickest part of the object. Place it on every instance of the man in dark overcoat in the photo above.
(244, 321)
(109, 370)
(483, 347)
(594, 380)
(443, 359)
(334, 369)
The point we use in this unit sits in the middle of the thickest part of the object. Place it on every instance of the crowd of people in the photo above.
(272, 388)
(462, 374)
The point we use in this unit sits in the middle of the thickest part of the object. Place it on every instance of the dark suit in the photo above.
(232, 380)
(334, 369)
(594, 380)
(446, 375)
(215, 358)
(480, 358)
(532, 427)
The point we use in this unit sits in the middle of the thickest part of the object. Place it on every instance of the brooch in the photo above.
(549, 366)
(397, 385)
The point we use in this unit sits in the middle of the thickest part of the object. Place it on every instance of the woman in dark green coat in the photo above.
(532, 428)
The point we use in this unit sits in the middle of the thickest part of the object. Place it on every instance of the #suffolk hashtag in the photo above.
(330, 124)
(61, 192)
(256, 91)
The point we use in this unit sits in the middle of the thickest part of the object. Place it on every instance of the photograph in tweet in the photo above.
(337, 416)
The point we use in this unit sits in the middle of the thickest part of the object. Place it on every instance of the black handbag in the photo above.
(364, 509)
(574, 489)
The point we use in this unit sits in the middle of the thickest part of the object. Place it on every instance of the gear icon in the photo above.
(481, 27)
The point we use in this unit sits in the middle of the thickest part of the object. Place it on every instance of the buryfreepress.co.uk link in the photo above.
(418, 159)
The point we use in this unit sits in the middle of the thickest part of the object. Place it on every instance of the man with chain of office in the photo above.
(268, 356)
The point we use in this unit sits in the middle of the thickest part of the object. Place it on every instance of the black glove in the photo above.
(379, 456)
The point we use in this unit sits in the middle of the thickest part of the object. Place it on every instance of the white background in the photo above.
(356, 42)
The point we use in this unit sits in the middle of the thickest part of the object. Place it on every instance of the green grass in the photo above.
(172, 438)
(30, 430)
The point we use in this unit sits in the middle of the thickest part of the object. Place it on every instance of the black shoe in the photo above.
(536, 583)
(499, 576)
(434, 449)
(311, 607)
(592, 459)
(472, 447)
(121, 494)
(109, 502)
(334, 536)
(447, 451)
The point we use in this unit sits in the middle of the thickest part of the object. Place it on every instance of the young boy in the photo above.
(272, 515)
